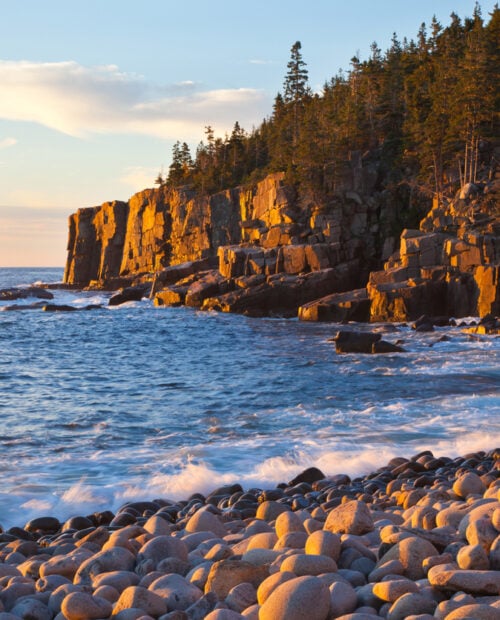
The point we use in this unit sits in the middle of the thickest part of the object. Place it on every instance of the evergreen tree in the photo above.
(295, 86)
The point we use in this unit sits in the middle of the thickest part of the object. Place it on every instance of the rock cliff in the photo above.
(266, 249)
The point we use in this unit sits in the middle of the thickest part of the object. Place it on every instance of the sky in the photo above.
(94, 93)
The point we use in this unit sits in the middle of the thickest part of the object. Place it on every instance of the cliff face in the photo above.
(156, 228)
(265, 249)
(162, 227)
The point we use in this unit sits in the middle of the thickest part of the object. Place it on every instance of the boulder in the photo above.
(338, 307)
(302, 598)
(226, 574)
(15, 293)
(353, 517)
(130, 293)
(475, 582)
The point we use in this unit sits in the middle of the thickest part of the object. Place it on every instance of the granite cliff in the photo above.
(268, 249)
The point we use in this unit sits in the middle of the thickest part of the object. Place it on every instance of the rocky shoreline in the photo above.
(272, 249)
(418, 538)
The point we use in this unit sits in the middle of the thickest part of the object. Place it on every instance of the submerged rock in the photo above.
(363, 342)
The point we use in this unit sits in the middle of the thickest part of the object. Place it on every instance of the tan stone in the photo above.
(411, 552)
(83, 606)
(308, 564)
(117, 558)
(476, 582)
(391, 590)
(302, 598)
(264, 540)
(323, 542)
(141, 598)
(175, 591)
(477, 611)
(203, 521)
(468, 484)
(288, 522)
(350, 518)
(411, 603)
(343, 598)
(291, 540)
(271, 583)
(226, 574)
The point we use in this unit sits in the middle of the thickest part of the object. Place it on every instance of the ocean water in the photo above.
(137, 402)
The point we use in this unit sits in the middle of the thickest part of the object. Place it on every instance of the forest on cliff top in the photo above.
(426, 110)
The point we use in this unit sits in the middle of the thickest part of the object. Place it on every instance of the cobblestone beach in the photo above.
(419, 538)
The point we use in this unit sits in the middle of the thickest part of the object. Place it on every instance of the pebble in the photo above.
(302, 598)
(419, 539)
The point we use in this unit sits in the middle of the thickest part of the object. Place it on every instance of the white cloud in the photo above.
(7, 142)
(79, 101)
(258, 61)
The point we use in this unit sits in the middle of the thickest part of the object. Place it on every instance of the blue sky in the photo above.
(95, 92)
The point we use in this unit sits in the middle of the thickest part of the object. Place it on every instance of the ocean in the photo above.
(135, 402)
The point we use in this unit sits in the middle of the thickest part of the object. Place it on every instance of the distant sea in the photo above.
(100, 407)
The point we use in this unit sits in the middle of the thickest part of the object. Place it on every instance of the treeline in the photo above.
(426, 110)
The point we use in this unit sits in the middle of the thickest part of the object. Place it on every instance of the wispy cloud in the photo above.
(7, 142)
(259, 61)
(78, 100)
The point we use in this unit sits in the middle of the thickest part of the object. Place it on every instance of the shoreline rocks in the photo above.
(271, 249)
(420, 535)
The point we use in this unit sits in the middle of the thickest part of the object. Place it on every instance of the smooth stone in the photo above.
(50, 583)
(31, 609)
(288, 522)
(271, 583)
(343, 598)
(107, 592)
(176, 591)
(202, 607)
(138, 597)
(220, 551)
(473, 557)
(474, 611)
(270, 510)
(199, 574)
(133, 613)
(481, 532)
(264, 540)
(226, 574)
(411, 552)
(158, 549)
(84, 606)
(203, 520)
(59, 594)
(118, 579)
(411, 603)
(302, 598)
(480, 509)
(258, 557)
(223, 614)
(241, 596)
(158, 526)
(392, 567)
(390, 590)
(291, 540)
(66, 565)
(307, 564)
(323, 542)
(353, 517)
(468, 484)
(14, 591)
(117, 558)
(251, 613)
(474, 582)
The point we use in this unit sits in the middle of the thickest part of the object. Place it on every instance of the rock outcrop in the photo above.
(265, 249)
